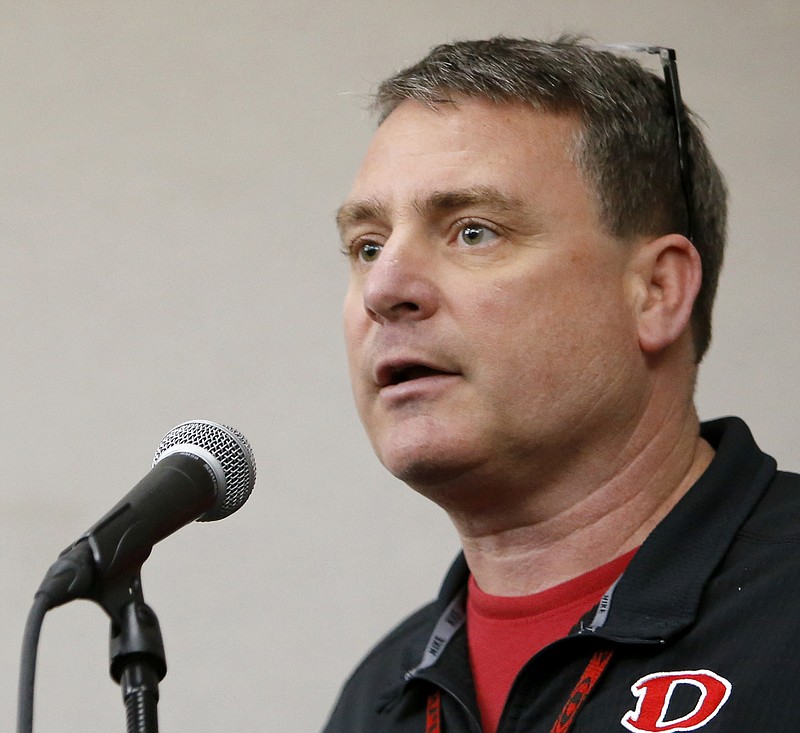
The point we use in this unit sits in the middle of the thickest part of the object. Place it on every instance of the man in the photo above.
(535, 236)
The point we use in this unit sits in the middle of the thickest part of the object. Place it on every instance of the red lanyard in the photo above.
(433, 713)
(589, 678)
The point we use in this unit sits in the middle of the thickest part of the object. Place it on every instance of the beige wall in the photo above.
(169, 173)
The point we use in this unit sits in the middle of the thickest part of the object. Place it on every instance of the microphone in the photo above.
(201, 471)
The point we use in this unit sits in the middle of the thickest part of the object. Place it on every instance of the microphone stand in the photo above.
(136, 651)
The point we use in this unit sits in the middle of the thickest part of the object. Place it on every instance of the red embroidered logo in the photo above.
(655, 691)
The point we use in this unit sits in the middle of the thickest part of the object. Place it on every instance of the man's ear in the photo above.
(667, 274)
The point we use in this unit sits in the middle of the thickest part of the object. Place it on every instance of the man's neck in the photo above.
(529, 549)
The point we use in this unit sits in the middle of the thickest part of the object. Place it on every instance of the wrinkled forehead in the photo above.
(508, 152)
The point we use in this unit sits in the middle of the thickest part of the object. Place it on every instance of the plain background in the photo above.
(168, 176)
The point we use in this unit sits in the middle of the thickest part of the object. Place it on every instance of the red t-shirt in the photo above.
(503, 632)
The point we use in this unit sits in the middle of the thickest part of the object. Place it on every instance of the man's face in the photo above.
(488, 322)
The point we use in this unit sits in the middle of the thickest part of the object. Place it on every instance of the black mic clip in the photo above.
(135, 633)
(136, 652)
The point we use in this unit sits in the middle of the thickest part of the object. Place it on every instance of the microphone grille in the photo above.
(231, 450)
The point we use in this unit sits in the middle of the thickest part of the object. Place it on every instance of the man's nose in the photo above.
(400, 284)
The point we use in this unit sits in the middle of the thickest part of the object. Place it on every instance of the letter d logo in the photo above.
(655, 691)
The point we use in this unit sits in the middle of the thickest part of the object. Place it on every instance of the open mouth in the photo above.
(392, 374)
(415, 371)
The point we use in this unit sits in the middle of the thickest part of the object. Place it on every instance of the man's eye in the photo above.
(369, 252)
(473, 234)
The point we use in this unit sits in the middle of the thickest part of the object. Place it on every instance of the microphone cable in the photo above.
(67, 578)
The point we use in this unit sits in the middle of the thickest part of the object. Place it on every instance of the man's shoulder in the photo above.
(375, 681)
(776, 517)
(741, 475)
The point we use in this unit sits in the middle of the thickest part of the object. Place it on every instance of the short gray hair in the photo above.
(626, 148)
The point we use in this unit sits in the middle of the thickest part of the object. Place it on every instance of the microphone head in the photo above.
(227, 453)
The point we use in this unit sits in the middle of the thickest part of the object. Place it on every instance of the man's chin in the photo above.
(428, 472)
(427, 448)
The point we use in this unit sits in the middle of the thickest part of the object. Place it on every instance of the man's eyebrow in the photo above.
(486, 196)
(354, 212)
(437, 202)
